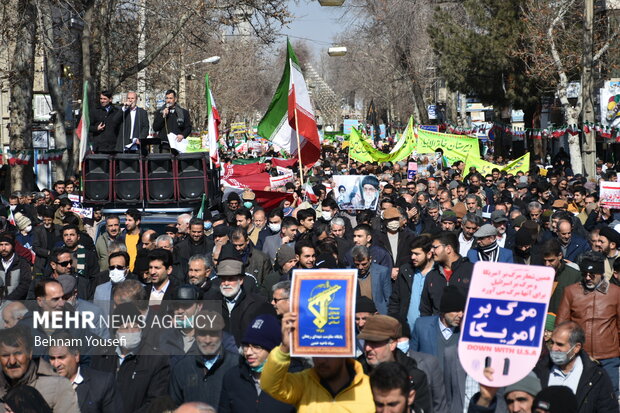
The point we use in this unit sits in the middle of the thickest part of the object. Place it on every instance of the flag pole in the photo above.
(301, 166)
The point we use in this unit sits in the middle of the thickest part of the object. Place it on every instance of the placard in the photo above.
(609, 195)
(356, 191)
(324, 301)
(504, 320)
(412, 170)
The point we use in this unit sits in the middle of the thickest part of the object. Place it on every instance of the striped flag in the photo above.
(82, 128)
(289, 113)
(214, 123)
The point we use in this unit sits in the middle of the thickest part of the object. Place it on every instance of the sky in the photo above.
(314, 23)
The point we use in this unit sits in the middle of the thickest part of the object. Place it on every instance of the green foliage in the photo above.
(473, 45)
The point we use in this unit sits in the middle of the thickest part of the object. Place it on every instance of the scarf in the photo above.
(489, 253)
(81, 259)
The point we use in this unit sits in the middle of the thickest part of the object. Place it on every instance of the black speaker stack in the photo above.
(159, 178)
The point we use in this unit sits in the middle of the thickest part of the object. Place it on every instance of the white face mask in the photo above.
(275, 227)
(117, 276)
(130, 341)
(327, 216)
(393, 226)
(28, 228)
(12, 207)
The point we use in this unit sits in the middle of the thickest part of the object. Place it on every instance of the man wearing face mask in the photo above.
(396, 238)
(274, 224)
(24, 226)
(330, 210)
(569, 365)
(594, 304)
(141, 372)
(241, 386)
(118, 271)
(198, 378)
(288, 232)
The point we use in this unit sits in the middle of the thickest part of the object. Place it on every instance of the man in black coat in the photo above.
(593, 387)
(15, 272)
(141, 372)
(380, 335)
(239, 307)
(104, 124)
(134, 128)
(172, 118)
(44, 237)
(95, 390)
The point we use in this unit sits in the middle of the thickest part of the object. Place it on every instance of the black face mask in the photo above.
(523, 254)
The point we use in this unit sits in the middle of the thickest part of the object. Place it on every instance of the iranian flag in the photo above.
(82, 128)
(290, 113)
(214, 123)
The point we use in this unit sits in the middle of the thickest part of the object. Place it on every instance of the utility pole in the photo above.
(587, 86)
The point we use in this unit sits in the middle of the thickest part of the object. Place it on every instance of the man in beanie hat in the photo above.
(15, 273)
(518, 397)
(433, 334)
(448, 221)
(24, 227)
(233, 202)
(198, 378)
(594, 304)
(240, 392)
(380, 335)
(522, 251)
(555, 399)
(569, 365)
(284, 264)
(487, 248)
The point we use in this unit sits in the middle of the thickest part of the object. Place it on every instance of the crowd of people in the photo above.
(414, 255)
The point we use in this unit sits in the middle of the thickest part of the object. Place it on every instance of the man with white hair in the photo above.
(195, 407)
(13, 312)
(183, 225)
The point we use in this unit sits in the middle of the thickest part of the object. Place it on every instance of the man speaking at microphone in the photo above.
(134, 127)
(172, 118)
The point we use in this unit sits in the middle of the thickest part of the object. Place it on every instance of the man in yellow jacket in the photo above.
(333, 385)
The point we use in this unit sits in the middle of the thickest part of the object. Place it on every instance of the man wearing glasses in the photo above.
(594, 304)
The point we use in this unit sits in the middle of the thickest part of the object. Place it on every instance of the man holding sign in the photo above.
(333, 384)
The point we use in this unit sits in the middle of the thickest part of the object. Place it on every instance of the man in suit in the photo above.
(104, 124)
(172, 118)
(373, 279)
(162, 287)
(134, 128)
(95, 390)
(396, 238)
(434, 334)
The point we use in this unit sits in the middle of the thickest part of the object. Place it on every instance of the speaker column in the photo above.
(191, 178)
(160, 178)
(127, 178)
(96, 172)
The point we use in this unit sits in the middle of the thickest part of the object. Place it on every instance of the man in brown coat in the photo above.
(594, 304)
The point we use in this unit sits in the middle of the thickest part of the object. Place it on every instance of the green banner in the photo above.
(361, 150)
(453, 146)
(520, 164)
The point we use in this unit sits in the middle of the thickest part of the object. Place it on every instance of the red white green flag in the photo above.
(214, 123)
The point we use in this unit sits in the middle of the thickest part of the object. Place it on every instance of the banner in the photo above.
(504, 321)
(609, 195)
(356, 191)
(484, 167)
(453, 146)
(361, 150)
(242, 170)
(324, 301)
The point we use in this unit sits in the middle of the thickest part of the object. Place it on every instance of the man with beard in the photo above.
(449, 269)
(391, 389)
(171, 119)
(594, 304)
(522, 251)
(608, 242)
(373, 280)
(84, 262)
(407, 290)
(112, 231)
(487, 248)
(44, 239)
(362, 235)
(572, 244)
(380, 336)
(565, 275)
(15, 272)
(162, 287)
(256, 263)
(19, 368)
(239, 307)
(200, 269)
(448, 221)
(334, 383)
(131, 235)
(196, 244)
(505, 234)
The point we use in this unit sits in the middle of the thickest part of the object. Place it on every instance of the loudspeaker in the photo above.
(96, 178)
(127, 178)
(160, 177)
(191, 178)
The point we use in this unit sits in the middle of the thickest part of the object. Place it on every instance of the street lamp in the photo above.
(337, 51)
(331, 3)
(182, 81)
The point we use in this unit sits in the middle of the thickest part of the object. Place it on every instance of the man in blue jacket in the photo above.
(373, 279)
